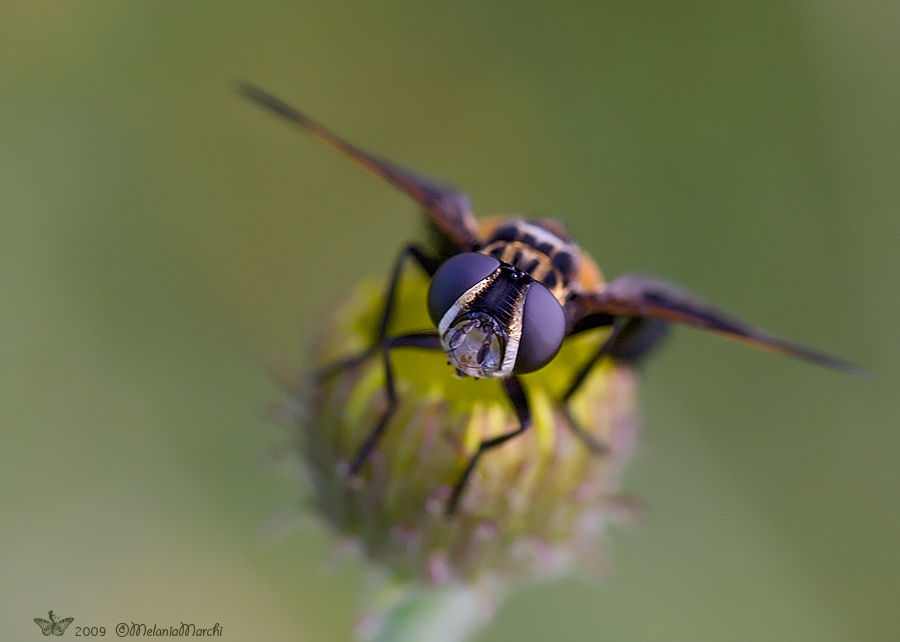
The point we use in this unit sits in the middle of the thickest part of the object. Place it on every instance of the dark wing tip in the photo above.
(448, 206)
(264, 98)
(851, 369)
(250, 91)
(817, 358)
(243, 87)
(635, 295)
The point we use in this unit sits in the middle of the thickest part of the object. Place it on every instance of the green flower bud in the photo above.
(531, 506)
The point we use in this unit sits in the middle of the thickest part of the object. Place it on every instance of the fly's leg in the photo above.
(632, 338)
(429, 265)
(517, 396)
(424, 341)
(428, 340)
(586, 438)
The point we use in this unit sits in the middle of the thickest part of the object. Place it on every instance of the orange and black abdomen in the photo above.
(542, 249)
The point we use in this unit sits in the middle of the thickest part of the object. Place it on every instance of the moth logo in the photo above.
(55, 625)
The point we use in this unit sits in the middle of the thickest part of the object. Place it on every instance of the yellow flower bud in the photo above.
(532, 506)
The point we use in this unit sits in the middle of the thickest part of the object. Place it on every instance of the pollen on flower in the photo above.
(532, 506)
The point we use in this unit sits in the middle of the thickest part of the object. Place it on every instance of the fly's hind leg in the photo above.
(631, 339)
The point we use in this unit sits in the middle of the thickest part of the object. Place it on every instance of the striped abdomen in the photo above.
(548, 256)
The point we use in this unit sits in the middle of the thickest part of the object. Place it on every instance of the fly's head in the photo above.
(493, 319)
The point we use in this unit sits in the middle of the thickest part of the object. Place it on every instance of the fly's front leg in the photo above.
(428, 340)
(423, 341)
(517, 396)
(429, 265)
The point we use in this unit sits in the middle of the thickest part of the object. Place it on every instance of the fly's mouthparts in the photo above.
(485, 345)
(459, 334)
(474, 344)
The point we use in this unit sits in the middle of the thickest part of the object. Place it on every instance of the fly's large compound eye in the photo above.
(454, 277)
(543, 329)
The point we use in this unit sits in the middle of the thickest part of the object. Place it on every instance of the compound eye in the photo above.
(454, 277)
(543, 330)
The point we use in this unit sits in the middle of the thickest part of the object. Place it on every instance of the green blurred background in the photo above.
(159, 236)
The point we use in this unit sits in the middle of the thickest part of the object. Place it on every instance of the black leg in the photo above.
(586, 438)
(427, 263)
(519, 400)
(632, 338)
(617, 326)
(425, 341)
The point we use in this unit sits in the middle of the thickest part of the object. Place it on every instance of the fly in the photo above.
(506, 292)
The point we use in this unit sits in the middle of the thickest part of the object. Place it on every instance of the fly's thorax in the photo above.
(528, 260)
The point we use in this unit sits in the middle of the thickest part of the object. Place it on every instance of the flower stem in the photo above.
(398, 613)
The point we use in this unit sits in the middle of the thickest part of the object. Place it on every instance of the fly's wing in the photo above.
(447, 206)
(639, 296)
